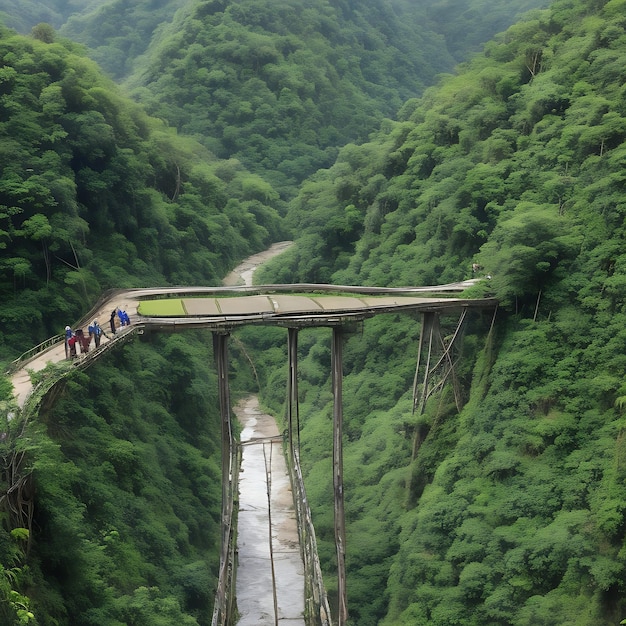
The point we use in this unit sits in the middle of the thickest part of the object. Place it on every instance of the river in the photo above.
(262, 561)
(270, 572)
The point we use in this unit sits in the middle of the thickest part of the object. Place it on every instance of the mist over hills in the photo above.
(278, 86)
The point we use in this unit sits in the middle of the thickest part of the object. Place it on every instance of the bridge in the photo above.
(293, 307)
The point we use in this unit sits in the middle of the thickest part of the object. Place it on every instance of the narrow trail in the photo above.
(242, 274)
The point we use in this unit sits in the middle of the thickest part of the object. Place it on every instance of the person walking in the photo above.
(69, 334)
(124, 318)
(113, 316)
(83, 342)
(71, 343)
(96, 331)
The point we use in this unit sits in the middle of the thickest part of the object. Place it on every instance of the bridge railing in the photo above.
(224, 605)
(181, 292)
(81, 361)
(317, 608)
(16, 364)
(34, 351)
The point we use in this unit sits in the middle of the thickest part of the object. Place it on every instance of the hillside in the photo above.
(277, 87)
(110, 496)
(280, 88)
(96, 194)
(511, 510)
(503, 508)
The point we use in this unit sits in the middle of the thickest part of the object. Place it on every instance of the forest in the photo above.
(398, 143)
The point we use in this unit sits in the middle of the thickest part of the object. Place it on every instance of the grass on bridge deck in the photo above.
(277, 304)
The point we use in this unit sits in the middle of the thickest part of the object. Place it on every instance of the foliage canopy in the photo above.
(507, 511)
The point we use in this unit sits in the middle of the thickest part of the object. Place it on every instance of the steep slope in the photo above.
(95, 194)
(280, 86)
(510, 511)
(110, 494)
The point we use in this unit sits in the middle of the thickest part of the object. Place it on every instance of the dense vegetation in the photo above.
(129, 496)
(512, 510)
(95, 194)
(277, 86)
(509, 511)
(280, 86)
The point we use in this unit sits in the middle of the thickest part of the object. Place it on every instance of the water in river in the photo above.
(270, 574)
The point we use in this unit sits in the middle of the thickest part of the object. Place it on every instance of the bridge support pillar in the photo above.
(220, 350)
(225, 595)
(434, 347)
(293, 412)
(340, 519)
(429, 322)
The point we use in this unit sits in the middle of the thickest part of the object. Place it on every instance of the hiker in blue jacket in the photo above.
(124, 318)
(96, 331)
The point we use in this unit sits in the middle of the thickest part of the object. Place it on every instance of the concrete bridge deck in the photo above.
(225, 308)
(286, 310)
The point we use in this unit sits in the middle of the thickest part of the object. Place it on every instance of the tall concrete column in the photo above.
(225, 594)
(340, 518)
(220, 350)
(292, 400)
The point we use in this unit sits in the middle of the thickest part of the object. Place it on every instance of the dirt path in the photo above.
(242, 274)
(270, 572)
